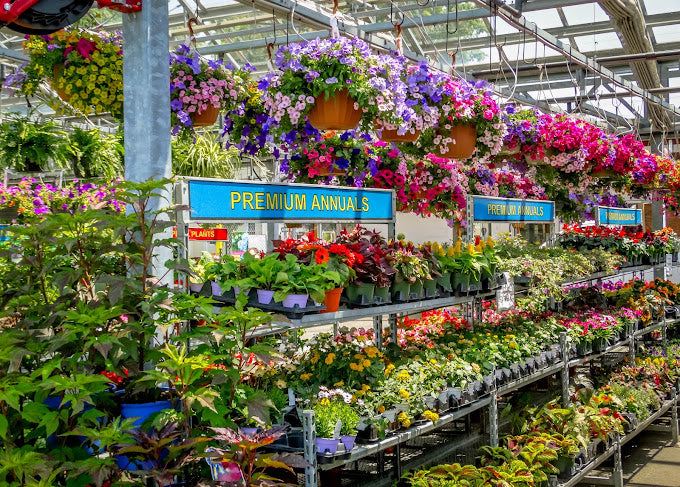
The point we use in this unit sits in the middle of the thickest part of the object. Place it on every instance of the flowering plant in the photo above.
(319, 68)
(523, 127)
(345, 158)
(197, 84)
(247, 124)
(32, 198)
(84, 66)
(459, 102)
(374, 266)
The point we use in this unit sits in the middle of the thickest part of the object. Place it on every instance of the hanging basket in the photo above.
(464, 141)
(331, 171)
(392, 135)
(57, 72)
(205, 118)
(604, 173)
(336, 112)
(533, 162)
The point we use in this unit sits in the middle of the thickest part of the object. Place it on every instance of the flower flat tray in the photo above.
(292, 313)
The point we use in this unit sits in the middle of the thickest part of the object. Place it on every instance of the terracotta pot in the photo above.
(332, 301)
(324, 171)
(57, 72)
(420, 195)
(392, 135)
(336, 112)
(205, 118)
(465, 137)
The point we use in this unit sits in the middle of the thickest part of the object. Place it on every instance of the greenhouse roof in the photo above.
(606, 58)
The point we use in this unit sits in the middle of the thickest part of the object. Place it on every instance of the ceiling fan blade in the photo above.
(48, 16)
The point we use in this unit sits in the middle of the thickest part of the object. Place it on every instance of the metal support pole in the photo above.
(493, 414)
(378, 330)
(394, 327)
(565, 370)
(336, 328)
(674, 420)
(631, 350)
(617, 474)
(664, 335)
(146, 78)
(309, 436)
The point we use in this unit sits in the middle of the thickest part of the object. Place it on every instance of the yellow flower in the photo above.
(388, 369)
(281, 384)
(371, 352)
(430, 415)
(381, 409)
(359, 356)
(367, 363)
(329, 359)
(339, 384)
(401, 416)
(305, 376)
(406, 423)
(315, 358)
(404, 393)
(365, 387)
(403, 375)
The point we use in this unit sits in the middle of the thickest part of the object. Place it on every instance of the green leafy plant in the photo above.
(94, 154)
(30, 146)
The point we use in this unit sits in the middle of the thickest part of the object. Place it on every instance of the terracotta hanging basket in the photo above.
(57, 72)
(326, 171)
(205, 118)
(392, 135)
(465, 138)
(420, 195)
(336, 112)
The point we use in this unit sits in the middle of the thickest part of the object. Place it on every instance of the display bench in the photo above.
(562, 364)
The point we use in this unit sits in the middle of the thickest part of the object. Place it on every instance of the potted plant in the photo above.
(75, 61)
(303, 281)
(30, 146)
(200, 89)
(199, 268)
(94, 154)
(267, 272)
(230, 274)
(328, 82)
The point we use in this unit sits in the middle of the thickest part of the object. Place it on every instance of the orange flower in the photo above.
(321, 256)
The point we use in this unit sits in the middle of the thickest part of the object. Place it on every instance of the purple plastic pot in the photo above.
(195, 287)
(264, 296)
(216, 289)
(348, 441)
(326, 445)
(293, 300)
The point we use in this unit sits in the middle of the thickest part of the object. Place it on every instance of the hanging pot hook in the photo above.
(192, 38)
(400, 47)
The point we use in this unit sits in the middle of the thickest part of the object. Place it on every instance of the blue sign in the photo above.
(4, 234)
(241, 201)
(487, 209)
(618, 216)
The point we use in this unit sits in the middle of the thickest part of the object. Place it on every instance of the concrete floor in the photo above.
(649, 461)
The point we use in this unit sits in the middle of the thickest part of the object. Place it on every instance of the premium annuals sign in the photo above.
(487, 209)
(618, 216)
(240, 201)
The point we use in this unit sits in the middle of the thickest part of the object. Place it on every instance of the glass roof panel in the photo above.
(661, 6)
(546, 19)
(582, 14)
(502, 27)
(666, 33)
(598, 42)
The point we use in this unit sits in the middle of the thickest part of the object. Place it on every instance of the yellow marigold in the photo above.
(367, 363)
(401, 416)
(339, 384)
(406, 423)
(329, 359)
(404, 393)
(430, 416)
(388, 369)
(305, 376)
(381, 409)
(371, 352)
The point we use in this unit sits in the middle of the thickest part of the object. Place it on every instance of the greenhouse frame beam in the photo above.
(513, 17)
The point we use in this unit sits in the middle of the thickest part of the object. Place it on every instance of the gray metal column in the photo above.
(565, 370)
(378, 330)
(658, 212)
(617, 474)
(146, 110)
(309, 437)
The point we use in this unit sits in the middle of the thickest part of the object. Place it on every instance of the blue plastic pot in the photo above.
(143, 411)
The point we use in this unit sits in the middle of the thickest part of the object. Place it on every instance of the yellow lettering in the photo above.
(235, 198)
(272, 201)
(248, 200)
(259, 201)
(333, 200)
(325, 205)
(540, 211)
(300, 201)
(286, 202)
(350, 204)
(341, 203)
(315, 203)
(364, 203)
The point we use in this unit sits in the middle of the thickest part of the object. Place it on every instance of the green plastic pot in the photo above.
(417, 291)
(444, 282)
(400, 291)
(361, 294)
(430, 288)
(382, 295)
(460, 283)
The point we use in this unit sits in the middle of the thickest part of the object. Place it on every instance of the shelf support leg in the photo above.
(617, 474)
(397, 461)
(336, 328)
(309, 432)
(392, 320)
(565, 370)
(378, 329)
(493, 416)
(674, 420)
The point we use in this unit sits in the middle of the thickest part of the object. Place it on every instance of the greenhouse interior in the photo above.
(410, 243)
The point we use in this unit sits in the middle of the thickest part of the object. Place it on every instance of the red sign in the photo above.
(207, 234)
